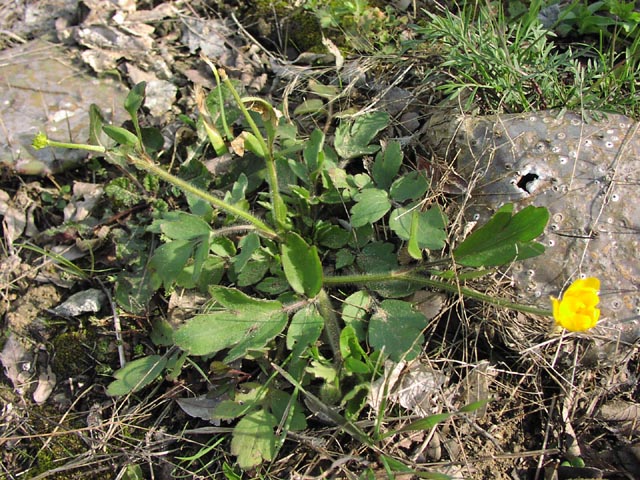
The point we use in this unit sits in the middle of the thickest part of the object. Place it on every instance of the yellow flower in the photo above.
(576, 310)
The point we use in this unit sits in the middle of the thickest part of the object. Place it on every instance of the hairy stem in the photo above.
(437, 284)
(148, 165)
(331, 325)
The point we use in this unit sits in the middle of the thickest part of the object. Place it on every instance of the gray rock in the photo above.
(585, 171)
(42, 91)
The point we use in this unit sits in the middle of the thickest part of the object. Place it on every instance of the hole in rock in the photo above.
(526, 182)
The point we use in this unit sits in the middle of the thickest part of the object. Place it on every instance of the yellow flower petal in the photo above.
(575, 310)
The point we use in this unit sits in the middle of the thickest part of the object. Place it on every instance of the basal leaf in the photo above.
(428, 226)
(353, 136)
(169, 259)
(504, 238)
(135, 289)
(301, 265)
(283, 405)
(332, 236)
(397, 328)
(472, 407)
(245, 322)
(305, 328)
(136, 375)
(311, 106)
(253, 439)
(258, 336)
(411, 186)
(413, 247)
(386, 165)
(254, 271)
(161, 333)
(97, 135)
(372, 204)
(312, 153)
(355, 310)
(152, 139)
(182, 226)
(248, 245)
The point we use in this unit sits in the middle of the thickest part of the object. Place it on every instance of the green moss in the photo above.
(70, 354)
(305, 33)
(300, 27)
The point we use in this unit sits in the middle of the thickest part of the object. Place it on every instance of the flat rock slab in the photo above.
(42, 91)
(586, 171)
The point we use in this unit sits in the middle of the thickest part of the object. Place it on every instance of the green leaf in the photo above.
(254, 440)
(136, 375)
(411, 186)
(372, 204)
(312, 153)
(283, 406)
(183, 226)
(248, 245)
(152, 139)
(428, 227)
(256, 338)
(397, 328)
(228, 410)
(305, 328)
(97, 135)
(133, 472)
(252, 144)
(134, 290)
(344, 258)
(169, 259)
(332, 236)
(301, 265)
(355, 310)
(413, 248)
(354, 136)
(254, 271)
(273, 285)
(472, 407)
(351, 351)
(161, 333)
(386, 165)
(313, 105)
(121, 135)
(135, 99)
(246, 323)
(504, 238)
(426, 423)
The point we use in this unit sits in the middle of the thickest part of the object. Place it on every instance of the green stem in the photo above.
(437, 284)
(76, 146)
(149, 166)
(279, 207)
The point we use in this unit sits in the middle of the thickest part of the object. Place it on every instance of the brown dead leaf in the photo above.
(620, 411)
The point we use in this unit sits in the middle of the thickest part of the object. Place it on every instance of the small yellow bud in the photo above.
(40, 141)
